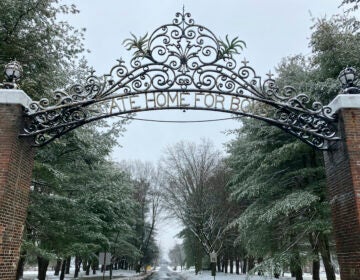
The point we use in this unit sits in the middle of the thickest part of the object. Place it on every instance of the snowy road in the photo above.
(164, 273)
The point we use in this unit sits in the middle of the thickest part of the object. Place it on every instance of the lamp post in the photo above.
(348, 79)
(13, 72)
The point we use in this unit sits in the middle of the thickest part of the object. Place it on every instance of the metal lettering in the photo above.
(217, 97)
(101, 107)
(122, 100)
(206, 100)
(114, 105)
(245, 105)
(133, 102)
(196, 97)
(233, 103)
(164, 99)
(150, 100)
(182, 99)
(260, 108)
(172, 100)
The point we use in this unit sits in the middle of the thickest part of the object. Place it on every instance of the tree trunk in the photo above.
(260, 272)
(237, 265)
(326, 258)
(298, 274)
(20, 266)
(42, 267)
(68, 263)
(77, 266)
(244, 267)
(316, 270)
(219, 264)
(231, 265)
(88, 266)
(226, 263)
(198, 257)
(295, 266)
(277, 271)
(251, 263)
(63, 266)
(57, 267)
(316, 261)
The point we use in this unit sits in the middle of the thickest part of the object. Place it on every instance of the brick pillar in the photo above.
(16, 163)
(342, 164)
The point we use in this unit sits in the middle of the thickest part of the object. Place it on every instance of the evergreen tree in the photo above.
(283, 179)
(46, 47)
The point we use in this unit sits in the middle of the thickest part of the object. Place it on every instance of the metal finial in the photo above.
(270, 75)
(92, 71)
(120, 60)
(245, 62)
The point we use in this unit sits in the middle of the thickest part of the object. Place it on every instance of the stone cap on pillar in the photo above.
(345, 101)
(14, 96)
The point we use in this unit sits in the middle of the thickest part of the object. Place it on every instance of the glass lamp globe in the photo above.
(13, 71)
(347, 77)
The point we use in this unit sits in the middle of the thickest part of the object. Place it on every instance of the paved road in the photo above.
(165, 274)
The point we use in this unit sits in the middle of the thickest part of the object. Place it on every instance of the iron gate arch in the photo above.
(185, 65)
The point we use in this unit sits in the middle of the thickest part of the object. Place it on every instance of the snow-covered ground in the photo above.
(206, 275)
(187, 274)
(127, 274)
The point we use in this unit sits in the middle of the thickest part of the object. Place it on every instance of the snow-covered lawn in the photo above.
(127, 274)
(187, 274)
(206, 275)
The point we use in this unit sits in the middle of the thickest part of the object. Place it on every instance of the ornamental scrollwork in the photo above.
(182, 57)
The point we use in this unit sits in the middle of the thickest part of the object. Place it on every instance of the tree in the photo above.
(355, 4)
(46, 47)
(145, 181)
(98, 199)
(281, 179)
(335, 45)
(275, 175)
(191, 179)
(176, 256)
(48, 50)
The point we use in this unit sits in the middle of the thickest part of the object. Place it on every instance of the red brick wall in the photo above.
(16, 163)
(343, 181)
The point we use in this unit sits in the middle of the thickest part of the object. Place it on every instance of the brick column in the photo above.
(342, 164)
(16, 163)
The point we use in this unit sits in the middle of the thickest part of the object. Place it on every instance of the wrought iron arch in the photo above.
(182, 66)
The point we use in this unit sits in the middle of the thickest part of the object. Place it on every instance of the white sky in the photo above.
(271, 29)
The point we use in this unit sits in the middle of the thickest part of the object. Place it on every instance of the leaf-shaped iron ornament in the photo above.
(228, 47)
(139, 44)
(181, 65)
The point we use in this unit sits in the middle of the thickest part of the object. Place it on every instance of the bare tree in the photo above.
(145, 180)
(191, 182)
(177, 256)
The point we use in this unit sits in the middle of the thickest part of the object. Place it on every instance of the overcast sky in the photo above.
(271, 29)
